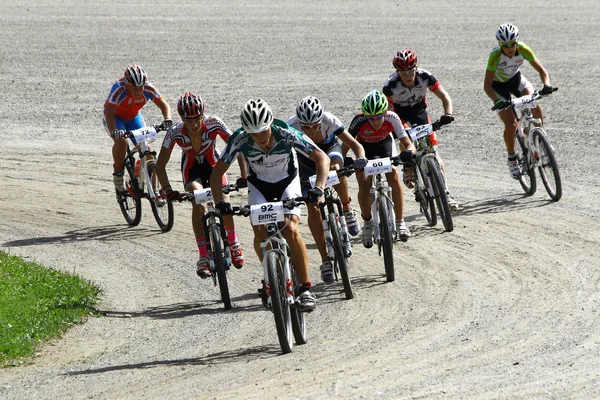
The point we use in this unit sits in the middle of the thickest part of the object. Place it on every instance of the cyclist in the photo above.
(406, 90)
(503, 78)
(269, 147)
(197, 136)
(326, 131)
(373, 128)
(122, 113)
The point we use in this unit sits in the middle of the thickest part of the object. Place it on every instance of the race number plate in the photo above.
(202, 196)
(266, 213)
(378, 166)
(146, 133)
(419, 132)
(524, 102)
(332, 179)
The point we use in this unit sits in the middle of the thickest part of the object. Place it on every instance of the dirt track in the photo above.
(506, 306)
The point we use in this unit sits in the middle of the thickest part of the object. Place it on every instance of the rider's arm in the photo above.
(349, 143)
(243, 167)
(441, 94)
(161, 170)
(322, 163)
(216, 179)
(407, 144)
(487, 85)
(165, 109)
(537, 65)
(109, 116)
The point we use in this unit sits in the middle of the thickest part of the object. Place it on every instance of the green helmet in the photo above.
(374, 103)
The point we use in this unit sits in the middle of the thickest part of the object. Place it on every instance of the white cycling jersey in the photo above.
(331, 126)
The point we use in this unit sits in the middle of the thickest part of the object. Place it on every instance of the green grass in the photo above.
(38, 304)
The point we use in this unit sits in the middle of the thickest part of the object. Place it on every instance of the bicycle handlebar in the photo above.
(226, 190)
(535, 95)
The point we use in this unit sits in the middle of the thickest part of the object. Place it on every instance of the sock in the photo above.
(201, 242)
(366, 219)
(512, 156)
(231, 235)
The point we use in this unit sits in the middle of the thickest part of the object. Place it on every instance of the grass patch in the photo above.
(38, 304)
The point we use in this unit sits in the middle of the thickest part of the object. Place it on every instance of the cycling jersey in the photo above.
(278, 164)
(331, 127)
(408, 101)
(505, 67)
(365, 133)
(128, 107)
(212, 127)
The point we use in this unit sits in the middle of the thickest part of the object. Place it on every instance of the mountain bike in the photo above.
(280, 282)
(217, 244)
(534, 149)
(382, 208)
(337, 238)
(139, 163)
(430, 184)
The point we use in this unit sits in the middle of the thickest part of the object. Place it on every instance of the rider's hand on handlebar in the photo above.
(241, 182)
(224, 207)
(360, 162)
(501, 104)
(167, 123)
(547, 89)
(446, 119)
(173, 195)
(117, 133)
(313, 194)
(406, 156)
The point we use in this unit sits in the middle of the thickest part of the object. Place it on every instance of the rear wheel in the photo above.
(547, 165)
(527, 178)
(426, 203)
(279, 303)
(340, 258)
(386, 238)
(439, 188)
(161, 207)
(298, 316)
(220, 265)
(130, 201)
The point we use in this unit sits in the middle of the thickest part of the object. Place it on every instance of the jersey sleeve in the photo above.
(494, 59)
(301, 142)
(234, 145)
(396, 124)
(218, 128)
(354, 128)
(430, 80)
(525, 51)
(168, 141)
(151, 93)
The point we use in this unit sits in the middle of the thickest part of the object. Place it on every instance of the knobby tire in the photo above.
(527, 178)
(165, 222)
(279, 304)
(386, 237)
(298, 316)
(220, 265)
(439, 188)
(130, 202)
(549, 165)
(340, 258)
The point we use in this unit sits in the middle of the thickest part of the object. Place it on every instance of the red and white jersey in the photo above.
(208, 152)
(361, 129)
(410, 100)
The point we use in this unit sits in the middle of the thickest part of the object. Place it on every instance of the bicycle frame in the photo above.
(381, 189)
(425, 151)
(334, 206)
(139, 143)
(277, 244)
(526, 123)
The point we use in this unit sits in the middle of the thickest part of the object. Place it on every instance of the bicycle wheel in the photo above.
(279, 303)
(426, 203)
(527, 178)
(439, 188)
(161, 207)
(298, 317)
(340, 258)
(547, 165)
(220, 267)
(130, 201)
(386, 237)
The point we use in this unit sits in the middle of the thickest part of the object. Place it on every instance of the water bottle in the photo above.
(138, 165)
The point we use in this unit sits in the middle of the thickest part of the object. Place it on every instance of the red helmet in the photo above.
(405, 60)
(190, 106)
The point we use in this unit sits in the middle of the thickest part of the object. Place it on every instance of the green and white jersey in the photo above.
(275, 165)
(506, 67)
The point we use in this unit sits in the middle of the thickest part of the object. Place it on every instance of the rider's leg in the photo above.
(393, 181)
(316, 228)
(364, 194)
(260, 234)
(119, 150)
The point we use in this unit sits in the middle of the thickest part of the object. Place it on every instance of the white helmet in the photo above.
(256, 116)
(309, 110)
(507, 33)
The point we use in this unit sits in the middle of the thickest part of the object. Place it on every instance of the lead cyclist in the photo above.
(269, 147)
(503, 78)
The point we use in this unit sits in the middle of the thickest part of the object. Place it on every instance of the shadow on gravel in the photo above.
(502, 204)
(110, 232)
(222, 357)
(334, 293)
(183, 310)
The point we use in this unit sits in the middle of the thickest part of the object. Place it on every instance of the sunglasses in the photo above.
(407, 72)
(310, 126)
(375, 117)
(508, 45)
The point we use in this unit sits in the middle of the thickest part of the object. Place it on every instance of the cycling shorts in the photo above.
(261, 192)
(420, 118)
(308, 168)
(382, 149)
(515, 86)
(200, 173)
(125, 125)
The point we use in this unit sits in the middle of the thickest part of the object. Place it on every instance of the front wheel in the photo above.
(439, 188)
(130, 201)
(386, 238)
(279, 303)
(527, 178)
(340, 258)
(547, 165)
(220, 264)
(161, 207)
(298, 316)
(426, 203)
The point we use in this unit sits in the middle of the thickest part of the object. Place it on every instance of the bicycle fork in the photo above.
(287, 276)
